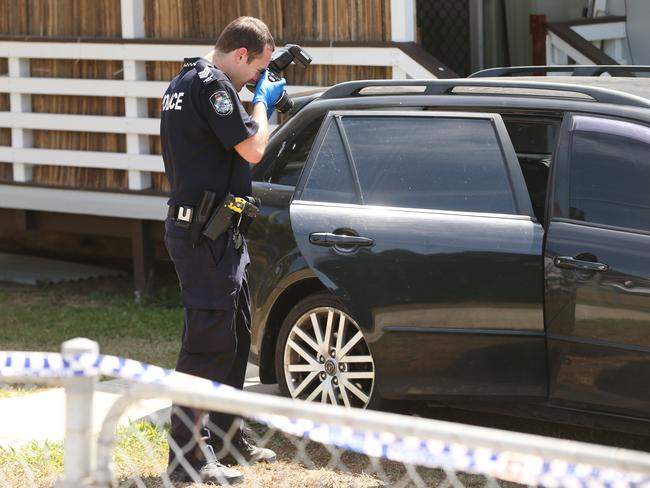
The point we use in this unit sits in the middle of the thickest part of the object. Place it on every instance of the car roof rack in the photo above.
(572, 70)
(447, 87)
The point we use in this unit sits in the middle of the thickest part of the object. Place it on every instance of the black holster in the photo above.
(220, 221)
(232, 211)
(201, 216)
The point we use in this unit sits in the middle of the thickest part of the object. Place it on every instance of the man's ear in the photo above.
(241, 54)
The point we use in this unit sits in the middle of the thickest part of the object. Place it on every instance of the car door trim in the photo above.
(312, 203)
(613, 228)
(348, 153)
(463, 331)
(598, 342)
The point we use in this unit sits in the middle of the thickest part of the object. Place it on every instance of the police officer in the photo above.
(208, 140)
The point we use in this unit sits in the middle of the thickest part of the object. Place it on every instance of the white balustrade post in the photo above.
(19, 102)
(615, 48)
(133, 27)
(79, 445)
(549, 50)
(399, 73)
(402, 20)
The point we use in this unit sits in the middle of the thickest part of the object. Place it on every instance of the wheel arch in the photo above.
(284, 303)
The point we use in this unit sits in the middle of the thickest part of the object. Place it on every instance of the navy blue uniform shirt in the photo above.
(202, 119)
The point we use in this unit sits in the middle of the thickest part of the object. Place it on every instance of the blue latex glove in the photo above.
(268, 92)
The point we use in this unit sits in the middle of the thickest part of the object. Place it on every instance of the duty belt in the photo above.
(182, 214)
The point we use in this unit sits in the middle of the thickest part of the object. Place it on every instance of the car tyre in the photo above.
(321, 355)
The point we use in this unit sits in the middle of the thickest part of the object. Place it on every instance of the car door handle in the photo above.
(567, 262)
(328, 239)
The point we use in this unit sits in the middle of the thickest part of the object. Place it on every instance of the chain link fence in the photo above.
(317, 445)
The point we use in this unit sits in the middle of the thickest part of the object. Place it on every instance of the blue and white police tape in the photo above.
(506, 465)
(511, 466)
(28, 364)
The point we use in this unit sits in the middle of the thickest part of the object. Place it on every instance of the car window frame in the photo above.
(519, 192)
(560, 185)
(293, 129)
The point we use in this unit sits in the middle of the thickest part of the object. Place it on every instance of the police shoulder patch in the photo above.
(221, 102)
(206, 75)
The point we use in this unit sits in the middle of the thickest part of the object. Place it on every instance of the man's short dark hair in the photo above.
(248, 32)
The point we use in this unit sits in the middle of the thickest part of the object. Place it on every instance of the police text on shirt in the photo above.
(172, 101)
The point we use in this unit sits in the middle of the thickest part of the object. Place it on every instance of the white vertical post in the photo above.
(598, 8)
(402, 20)
(79, 444)
(132, 18)
(399, 73)
(560, 57)
(549, 51)
(133, 27)
(615, 48)
(19, 102)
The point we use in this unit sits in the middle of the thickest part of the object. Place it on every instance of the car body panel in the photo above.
(274, 255)
(442, 292)
(598, 322)
(577, 352)
(438, 293)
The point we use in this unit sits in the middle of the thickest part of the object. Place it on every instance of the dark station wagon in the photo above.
(474, 241)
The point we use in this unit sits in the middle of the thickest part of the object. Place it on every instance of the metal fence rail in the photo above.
(496, 454)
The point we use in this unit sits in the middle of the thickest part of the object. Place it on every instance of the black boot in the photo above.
(243, 451)
(207, 470)
(212, 471)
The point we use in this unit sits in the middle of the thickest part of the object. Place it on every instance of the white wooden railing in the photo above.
(135, 89)
(608, 38)
(136, 124)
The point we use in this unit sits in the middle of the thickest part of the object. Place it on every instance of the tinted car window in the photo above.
(426, 162)
(610, 173)
(537, 137)
(330, 178)
(288, 165)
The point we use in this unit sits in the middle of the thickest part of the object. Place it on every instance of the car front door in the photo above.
(270, 240)
(597, 266)
(419, 222)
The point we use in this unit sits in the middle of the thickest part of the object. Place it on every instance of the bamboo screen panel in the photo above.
(90, 18)
(288, 20)
(65, 18)
(83, 141)
(159, 71)
(6, 170)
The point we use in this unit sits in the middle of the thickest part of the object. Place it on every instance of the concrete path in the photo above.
(40, 416)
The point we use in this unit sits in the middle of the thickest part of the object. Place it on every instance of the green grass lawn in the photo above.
(40, 318)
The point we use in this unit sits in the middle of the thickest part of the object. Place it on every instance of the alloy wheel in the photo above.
(327, 359)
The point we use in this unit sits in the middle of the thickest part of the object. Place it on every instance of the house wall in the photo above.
(615, 7)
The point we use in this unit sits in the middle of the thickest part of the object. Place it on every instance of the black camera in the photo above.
(283, 57)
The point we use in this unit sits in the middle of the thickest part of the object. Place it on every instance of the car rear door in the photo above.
(421, 224)
(597, 269)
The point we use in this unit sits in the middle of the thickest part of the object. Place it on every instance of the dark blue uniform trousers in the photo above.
(216, 334)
